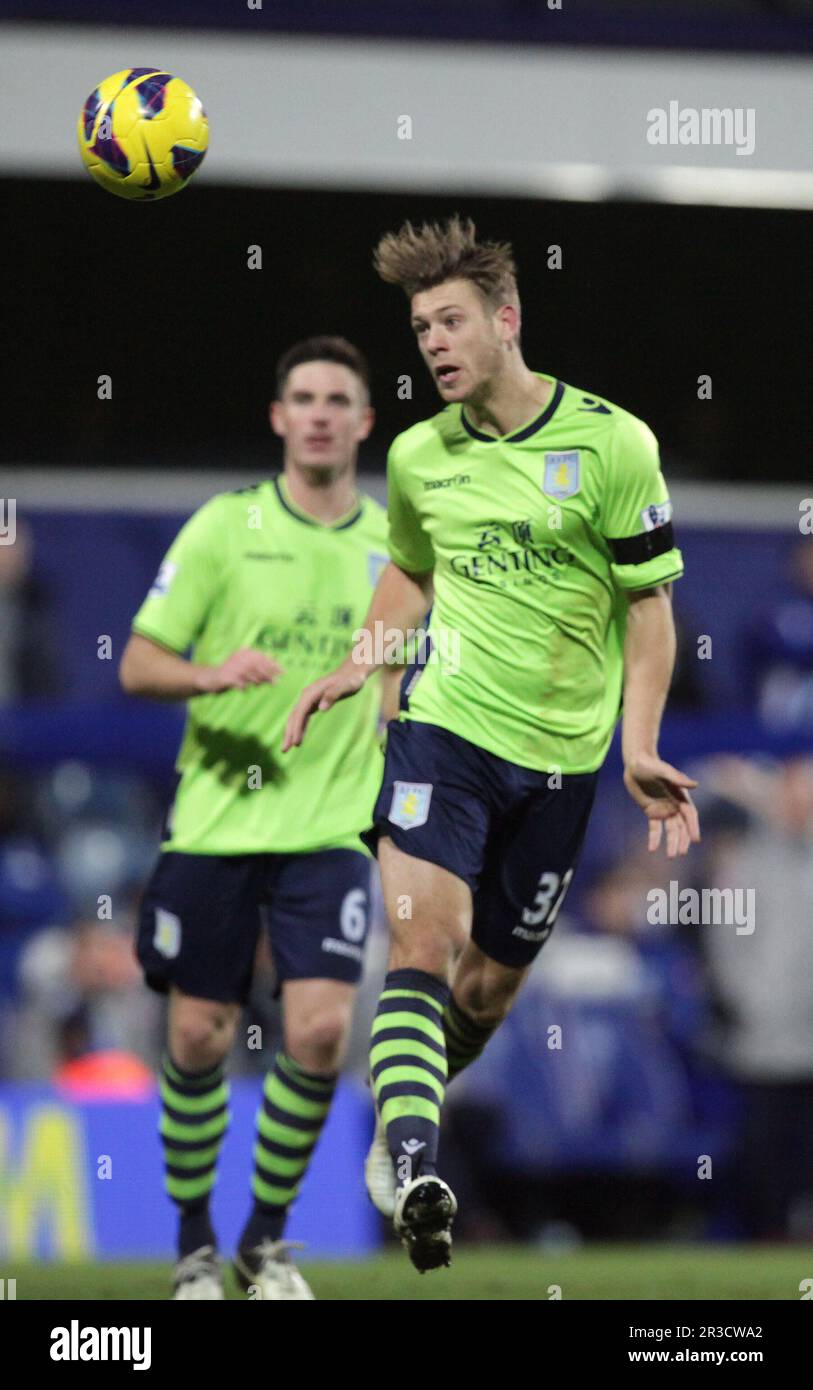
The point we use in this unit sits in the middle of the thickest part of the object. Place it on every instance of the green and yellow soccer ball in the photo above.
(142, 133)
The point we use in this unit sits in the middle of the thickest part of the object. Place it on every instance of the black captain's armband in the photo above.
(636, 550)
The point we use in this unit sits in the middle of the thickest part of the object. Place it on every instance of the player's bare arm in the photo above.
(399, 604)
(662, 791)
(152, 671)
(391, 677)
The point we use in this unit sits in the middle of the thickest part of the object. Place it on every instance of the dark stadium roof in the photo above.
(723, 25)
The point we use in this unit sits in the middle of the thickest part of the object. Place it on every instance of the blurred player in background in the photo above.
(537, 518)
(267, 584)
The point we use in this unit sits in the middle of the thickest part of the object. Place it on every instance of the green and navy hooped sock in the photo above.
(408, 1068)
(465, 1039)
(294, 1108)
(194, 1119)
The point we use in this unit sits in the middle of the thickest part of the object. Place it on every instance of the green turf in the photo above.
(661, 1272)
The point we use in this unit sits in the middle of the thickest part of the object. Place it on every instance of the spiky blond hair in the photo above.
(418, 258)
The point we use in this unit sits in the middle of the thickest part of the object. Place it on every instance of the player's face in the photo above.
(461, 341)
(323, 415)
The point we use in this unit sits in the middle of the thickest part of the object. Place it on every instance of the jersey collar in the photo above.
(526, 431)
(288, 505)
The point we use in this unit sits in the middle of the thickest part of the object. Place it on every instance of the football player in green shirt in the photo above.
(266, 584)
(534, 517)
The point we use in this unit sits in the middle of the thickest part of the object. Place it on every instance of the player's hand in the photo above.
(244, 667)
(662, 792)
(321, 695)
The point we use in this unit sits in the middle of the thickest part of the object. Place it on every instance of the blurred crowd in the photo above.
(656, 1077)
(29, 651)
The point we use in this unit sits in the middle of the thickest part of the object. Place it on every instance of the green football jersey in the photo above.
(535, 540)
(250, 569)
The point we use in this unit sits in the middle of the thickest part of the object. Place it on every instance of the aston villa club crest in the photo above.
(562, 474)
(167, 935)
(410, 804)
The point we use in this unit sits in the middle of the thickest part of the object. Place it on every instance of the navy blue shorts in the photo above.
(201, 914)
(513, 834)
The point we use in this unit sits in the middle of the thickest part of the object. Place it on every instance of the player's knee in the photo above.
(200, 1038)
(318, 1043)
(435, 950)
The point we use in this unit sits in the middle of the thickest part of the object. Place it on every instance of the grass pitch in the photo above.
(500, 1273)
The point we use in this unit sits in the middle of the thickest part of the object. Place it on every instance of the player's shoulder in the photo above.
(231, 502)
(206, 520)
(610, 425)
(236, 499)
(219, 521)
(436, 432)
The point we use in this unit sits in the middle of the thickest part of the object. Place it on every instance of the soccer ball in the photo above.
(142, 133)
